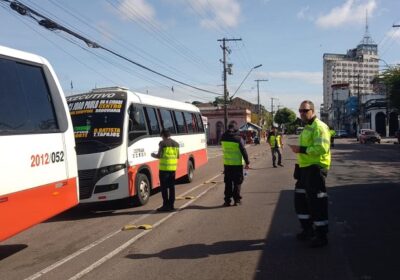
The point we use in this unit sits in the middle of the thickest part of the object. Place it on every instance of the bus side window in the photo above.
(180, 122)
(137, 123)
(189, 122)
(167, 121)
(199, 123)
(152, 121)
(27, 105)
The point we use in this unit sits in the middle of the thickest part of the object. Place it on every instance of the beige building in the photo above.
(357, 68)
(215, 118)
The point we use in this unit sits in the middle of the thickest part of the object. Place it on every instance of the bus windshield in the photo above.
(98, 124)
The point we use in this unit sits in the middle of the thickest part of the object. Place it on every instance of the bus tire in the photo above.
(190, 172)
(143, 189)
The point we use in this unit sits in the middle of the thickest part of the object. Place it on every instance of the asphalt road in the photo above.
(203, 240)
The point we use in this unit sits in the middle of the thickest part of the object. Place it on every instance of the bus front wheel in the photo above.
(190, 172)
(143, 189)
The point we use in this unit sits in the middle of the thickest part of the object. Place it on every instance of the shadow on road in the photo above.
(197, 251)
(364, 238)
(8, 250)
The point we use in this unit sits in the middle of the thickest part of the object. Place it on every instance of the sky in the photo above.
(180, 39)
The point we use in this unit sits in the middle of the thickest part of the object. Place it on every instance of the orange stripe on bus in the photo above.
(24, 209)
(200, 158)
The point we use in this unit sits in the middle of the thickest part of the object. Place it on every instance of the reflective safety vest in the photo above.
(316, 139)
(333, 132)
(274, 138)
(232, 154)
(169, 159)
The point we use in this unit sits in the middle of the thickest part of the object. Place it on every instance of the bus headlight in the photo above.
(110, 169)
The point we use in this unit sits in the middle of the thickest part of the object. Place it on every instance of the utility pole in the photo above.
(272, 108)
(226, 93)
(258, 100)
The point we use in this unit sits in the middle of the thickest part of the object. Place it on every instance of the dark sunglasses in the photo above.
(304, 110)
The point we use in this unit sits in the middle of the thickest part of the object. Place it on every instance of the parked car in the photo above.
(369, 136)
(341, 134)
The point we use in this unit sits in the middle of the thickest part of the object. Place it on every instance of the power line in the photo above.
(163, 37)
(121, 42)
(52, 25)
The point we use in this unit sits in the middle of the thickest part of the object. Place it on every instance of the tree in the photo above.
(392, 81)
(389, 82)
(284, 116)
(218, 101)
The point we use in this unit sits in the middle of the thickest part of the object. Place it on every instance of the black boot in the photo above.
(306, 234)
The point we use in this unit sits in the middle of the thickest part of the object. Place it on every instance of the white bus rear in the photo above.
(117, 130)
(37, 156)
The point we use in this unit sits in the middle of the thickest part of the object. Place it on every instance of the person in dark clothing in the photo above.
(234, 154)
(168, 153)
(313, 162)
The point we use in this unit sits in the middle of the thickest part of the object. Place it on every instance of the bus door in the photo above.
(142, 168)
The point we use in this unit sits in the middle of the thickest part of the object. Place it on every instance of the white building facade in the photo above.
(357, 68)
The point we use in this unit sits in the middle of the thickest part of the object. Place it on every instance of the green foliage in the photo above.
(391, 79)
(284, 116)
(218, 101)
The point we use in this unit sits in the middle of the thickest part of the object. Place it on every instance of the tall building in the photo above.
(357, 68)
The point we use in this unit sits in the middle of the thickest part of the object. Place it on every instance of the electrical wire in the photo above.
(52, 25)
(152, 28)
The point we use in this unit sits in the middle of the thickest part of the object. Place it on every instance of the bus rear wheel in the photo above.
(143, 189)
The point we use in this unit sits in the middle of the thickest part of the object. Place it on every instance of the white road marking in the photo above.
(134, 239)
(104, 238)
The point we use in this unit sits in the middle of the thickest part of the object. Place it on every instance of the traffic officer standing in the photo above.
(275, 142)
(314, 159)
(234, 153)
(168, 153)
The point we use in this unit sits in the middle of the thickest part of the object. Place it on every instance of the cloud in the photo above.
(352, 11)
(137, 10)
(304, 14)
(314, 78)
(217, 13)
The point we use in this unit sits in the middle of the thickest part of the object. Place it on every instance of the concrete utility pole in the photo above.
(272, 108)
(226, 93)
(258, 99)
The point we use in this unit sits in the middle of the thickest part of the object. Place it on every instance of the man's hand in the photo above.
(246, 166)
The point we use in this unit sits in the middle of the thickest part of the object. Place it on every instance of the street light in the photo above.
(257, 66)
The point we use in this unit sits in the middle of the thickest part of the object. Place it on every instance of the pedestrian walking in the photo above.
(234, 154)
(275, 142)
(314, 159)
(168, 153)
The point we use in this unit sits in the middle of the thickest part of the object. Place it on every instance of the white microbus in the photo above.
(37, 156)
(116, 131)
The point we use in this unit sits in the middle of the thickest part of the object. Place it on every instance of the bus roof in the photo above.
(136, 97)
(4, 51)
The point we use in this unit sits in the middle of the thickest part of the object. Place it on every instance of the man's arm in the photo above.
(158, 154)
(244, 153)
